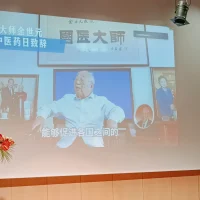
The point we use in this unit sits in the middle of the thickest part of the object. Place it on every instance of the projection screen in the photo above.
(82, 96)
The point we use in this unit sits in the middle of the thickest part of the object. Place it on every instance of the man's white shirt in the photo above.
(81, 114)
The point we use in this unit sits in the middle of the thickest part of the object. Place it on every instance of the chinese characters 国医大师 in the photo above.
(83, 36)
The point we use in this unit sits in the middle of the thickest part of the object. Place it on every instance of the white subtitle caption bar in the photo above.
(87, 132)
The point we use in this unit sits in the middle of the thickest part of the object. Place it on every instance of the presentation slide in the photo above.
(82, 96)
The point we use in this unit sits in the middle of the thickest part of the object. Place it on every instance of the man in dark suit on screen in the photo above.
(8, 97)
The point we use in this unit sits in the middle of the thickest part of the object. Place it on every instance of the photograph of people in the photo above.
(82, 110)
(165, 99)
(17, 96)
(145, 116)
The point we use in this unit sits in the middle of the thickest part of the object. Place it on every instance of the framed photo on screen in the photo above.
(18, 97)
(164, 92)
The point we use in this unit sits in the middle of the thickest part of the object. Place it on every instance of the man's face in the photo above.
(146, 113)
(163, 83)
(82, 85)
(10, 83)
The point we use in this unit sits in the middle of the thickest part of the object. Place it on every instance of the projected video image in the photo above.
(111, 84)
(18, 97)
(69, 84)
(90, 104)
(165, 94)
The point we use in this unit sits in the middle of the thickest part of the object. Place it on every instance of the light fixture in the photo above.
(181, 10)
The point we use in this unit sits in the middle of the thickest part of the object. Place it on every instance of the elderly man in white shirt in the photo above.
(82, 110)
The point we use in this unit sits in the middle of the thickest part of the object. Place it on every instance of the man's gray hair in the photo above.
(89, 75)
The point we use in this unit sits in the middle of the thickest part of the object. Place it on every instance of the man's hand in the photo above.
(38, 123)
